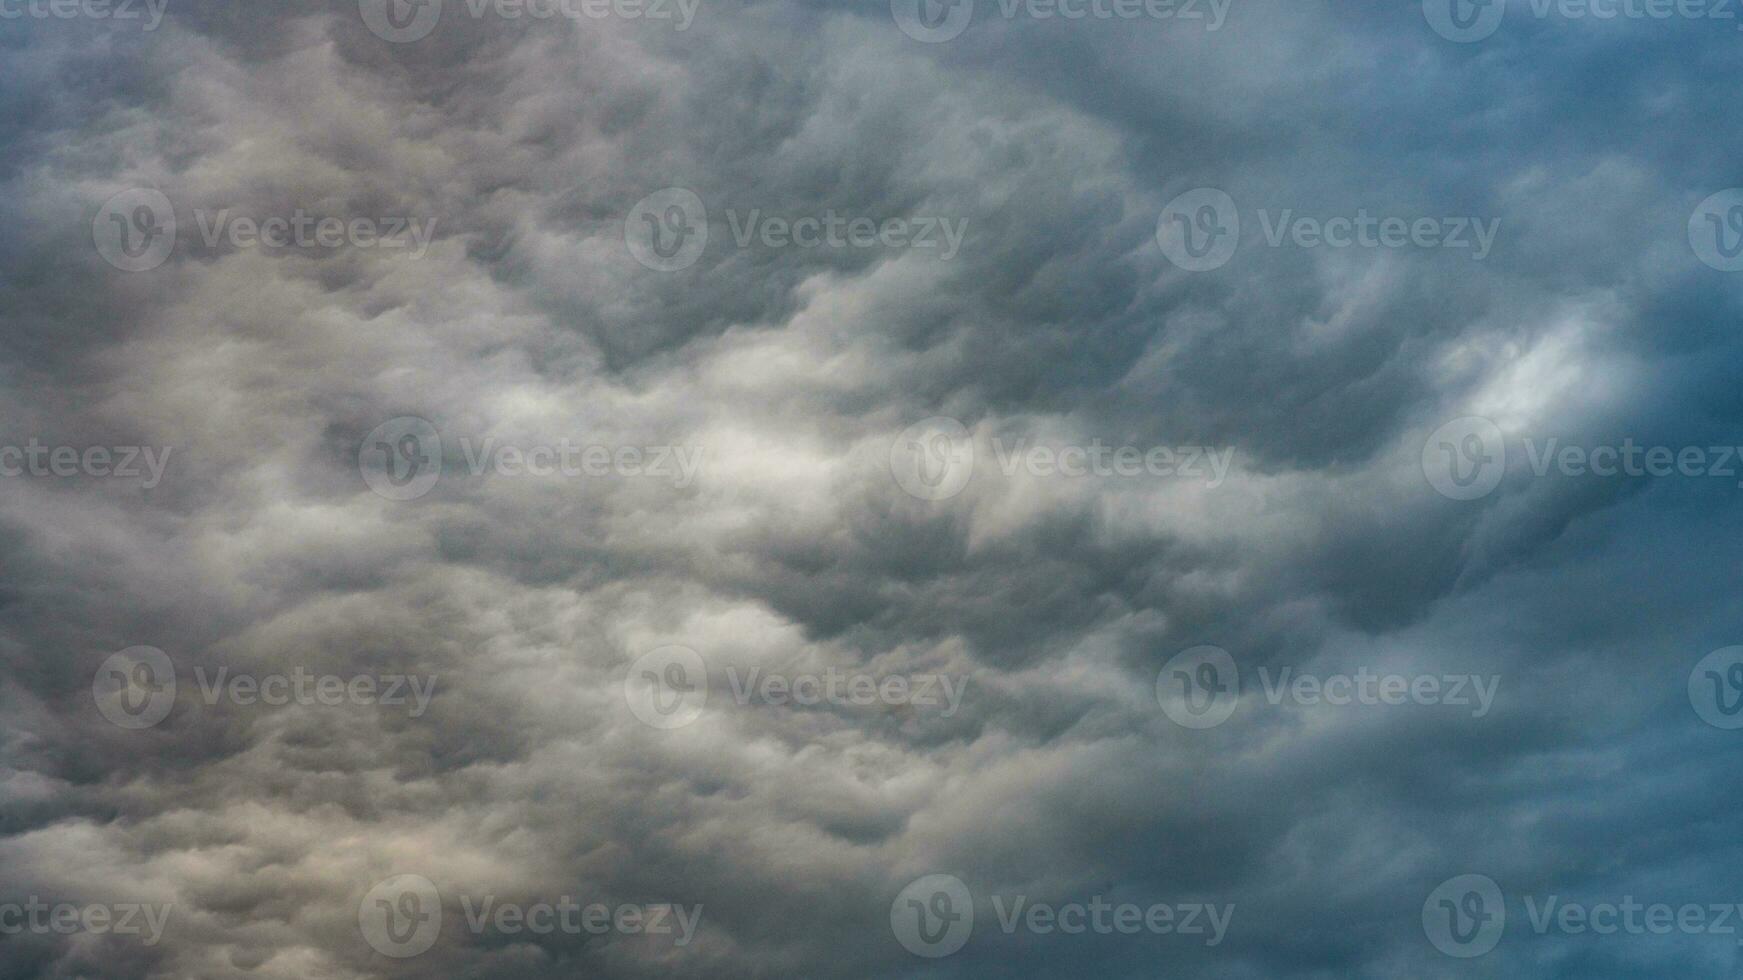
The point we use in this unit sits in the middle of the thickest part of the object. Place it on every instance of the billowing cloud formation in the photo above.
(665, 606)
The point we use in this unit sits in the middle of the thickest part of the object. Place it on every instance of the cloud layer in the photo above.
(864, 459)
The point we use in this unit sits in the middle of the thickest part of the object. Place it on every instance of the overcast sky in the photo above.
(816, 482)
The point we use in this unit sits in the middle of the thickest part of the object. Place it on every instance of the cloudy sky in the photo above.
(767, 488)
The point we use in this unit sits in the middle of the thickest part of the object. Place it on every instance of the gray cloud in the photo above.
(795, 551)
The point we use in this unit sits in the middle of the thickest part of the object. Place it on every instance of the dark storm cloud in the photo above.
(525, 599)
